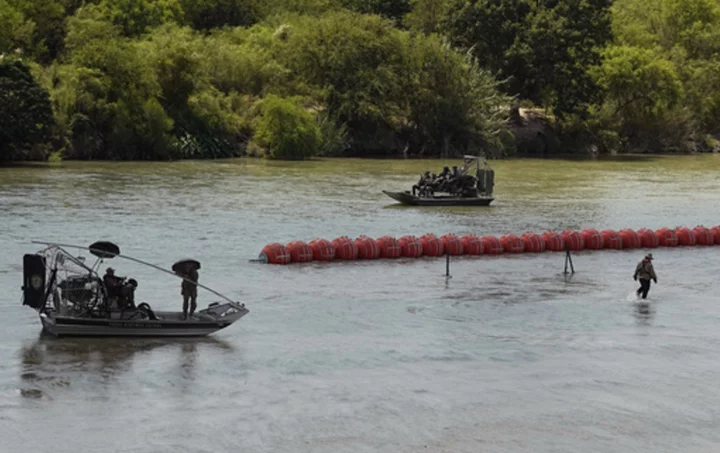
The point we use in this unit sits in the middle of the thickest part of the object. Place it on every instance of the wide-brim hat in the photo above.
(649, 256)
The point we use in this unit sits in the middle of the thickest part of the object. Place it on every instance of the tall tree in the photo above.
(542, 49)
(25, 112)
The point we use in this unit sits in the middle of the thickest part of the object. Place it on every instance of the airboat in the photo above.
(460, 189)
(73, 300)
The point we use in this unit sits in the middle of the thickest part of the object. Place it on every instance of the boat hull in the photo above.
(412, 200)
(169, 324)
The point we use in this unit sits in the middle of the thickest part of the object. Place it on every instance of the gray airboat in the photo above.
(73, 300)
(463, 189)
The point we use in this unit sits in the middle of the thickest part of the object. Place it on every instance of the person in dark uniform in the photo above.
(645, 272)
(422, 183)
(189, 290)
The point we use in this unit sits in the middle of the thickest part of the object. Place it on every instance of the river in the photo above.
(508, 355)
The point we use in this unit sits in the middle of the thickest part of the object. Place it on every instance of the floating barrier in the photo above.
(630, 238)
(367, 248)
(667, 237)
(553, 241)
(648, 238)
(410, 247)
(472, 245)
(685, 236)
(703, 236)
(389, 247)
(451, 244)
(534, 243)
(275, 254)
(716, 234)
(592, 239)
(345, 248)
(300, 252)
(492, 245)
(432, 246)
(612, 239)
(512, 243)
(322, 249)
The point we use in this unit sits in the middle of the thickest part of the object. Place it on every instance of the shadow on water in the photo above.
(51, 362)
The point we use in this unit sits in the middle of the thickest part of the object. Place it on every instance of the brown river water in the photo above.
(508, 355)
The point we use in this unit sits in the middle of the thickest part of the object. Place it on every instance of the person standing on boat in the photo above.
(189, 290)
(645, 272)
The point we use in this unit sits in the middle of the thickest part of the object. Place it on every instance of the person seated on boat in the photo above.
(441, 180)
(112, 283)
(422, 183)
(119, 291)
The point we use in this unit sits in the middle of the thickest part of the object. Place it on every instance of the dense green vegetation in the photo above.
(288, 79)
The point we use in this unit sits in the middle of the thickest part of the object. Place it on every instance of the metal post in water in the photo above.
(568, 259)
(447, 266)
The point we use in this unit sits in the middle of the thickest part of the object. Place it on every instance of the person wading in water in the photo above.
(645, 272)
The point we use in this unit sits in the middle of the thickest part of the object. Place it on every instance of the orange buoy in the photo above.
(612, 239)
(512, 243)
(592, 239)
(685, 236)
(410, 247)
(432, 246)
(534, 243)
(451, 244)
(472, 245)
(345, 248)
(703, 236)
(323, 250)
(553, 241)
(300, 252)
(573, 240)
(275, 254)
(667, 237)
(716, 234)
(630, 239)
(389, 247)
(648, 238)
(368, 248)
(491, 245)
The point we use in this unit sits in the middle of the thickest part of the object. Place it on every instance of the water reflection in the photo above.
(53, 363)
(644, 313)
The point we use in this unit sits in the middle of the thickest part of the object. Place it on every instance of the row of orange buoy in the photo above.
(367, 248)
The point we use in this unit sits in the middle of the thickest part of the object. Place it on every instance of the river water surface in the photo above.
(508, 355)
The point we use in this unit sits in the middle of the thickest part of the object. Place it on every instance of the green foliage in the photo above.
(286, 130)
(638, 82)
(135, 17)
(25, 113)
(543, 49)
(48, 29)
(390, 9)
(209, 14)
(161, 79)
(453, 101)
(15, 31)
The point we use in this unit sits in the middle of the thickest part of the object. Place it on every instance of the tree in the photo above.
(542, 49)
(286, 130)
(209, 14)
(26, 116)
